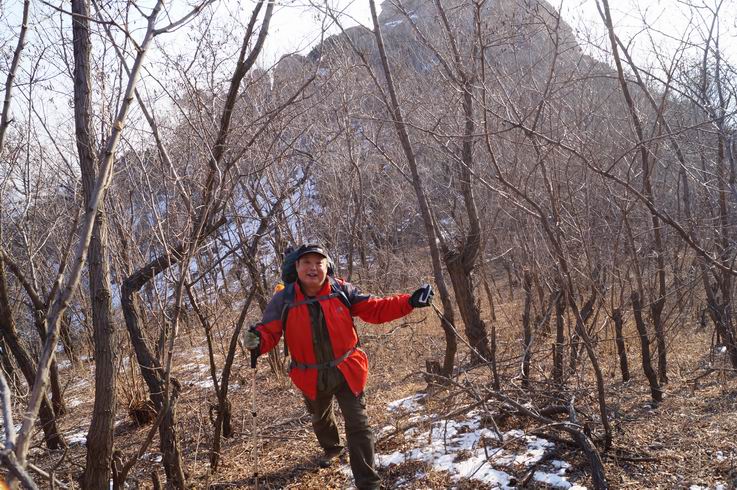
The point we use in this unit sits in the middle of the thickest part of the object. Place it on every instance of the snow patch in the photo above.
(409, 404)
(74, 402)
(553, 480)
(466, 449)
(207, 384)
(561, 466)
(153, 457)
(385, 431)
(77, 439)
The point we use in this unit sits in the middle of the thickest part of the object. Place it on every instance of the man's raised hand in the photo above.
(422, 297)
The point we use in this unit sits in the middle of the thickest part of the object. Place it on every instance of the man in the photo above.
(315, 314)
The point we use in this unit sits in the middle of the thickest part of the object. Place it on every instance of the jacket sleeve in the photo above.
(372, 309)
(270, 329)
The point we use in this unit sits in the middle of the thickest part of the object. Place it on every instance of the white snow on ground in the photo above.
(554, 481)
(206, 383)
(199, 351)
(79, 438)
(466, 449)
(153, 457)
(409, 404)
(203, 367)
(73, 402)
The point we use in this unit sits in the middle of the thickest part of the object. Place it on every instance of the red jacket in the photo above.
(340, 327)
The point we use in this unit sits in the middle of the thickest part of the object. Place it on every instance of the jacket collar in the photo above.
(325, 290)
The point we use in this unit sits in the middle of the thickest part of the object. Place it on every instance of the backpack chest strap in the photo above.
(289, 303)
(315, 299)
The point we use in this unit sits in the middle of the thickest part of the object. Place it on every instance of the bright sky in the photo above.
(296, 27)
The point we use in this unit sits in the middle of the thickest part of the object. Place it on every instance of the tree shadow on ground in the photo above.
(282, 477)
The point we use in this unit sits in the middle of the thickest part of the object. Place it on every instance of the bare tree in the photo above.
(100, 435)
(656, 306)
(205, 222)
(62, 297)
(394, 108)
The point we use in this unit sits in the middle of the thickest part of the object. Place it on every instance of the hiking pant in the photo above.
(360, 439)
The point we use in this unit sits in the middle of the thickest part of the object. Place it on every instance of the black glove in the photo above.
(422, 297)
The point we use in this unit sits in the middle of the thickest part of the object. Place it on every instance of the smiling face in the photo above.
(312, 269)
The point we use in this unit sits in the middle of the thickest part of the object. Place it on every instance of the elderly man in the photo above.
(315, 314)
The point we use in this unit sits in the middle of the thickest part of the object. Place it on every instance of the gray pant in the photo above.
(360, 439)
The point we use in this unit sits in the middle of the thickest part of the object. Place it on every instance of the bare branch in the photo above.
(5, 117)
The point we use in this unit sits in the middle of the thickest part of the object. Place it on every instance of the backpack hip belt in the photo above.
(325, 365)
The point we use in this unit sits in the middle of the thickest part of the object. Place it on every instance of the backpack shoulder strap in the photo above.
(337, 289)
(289, 296)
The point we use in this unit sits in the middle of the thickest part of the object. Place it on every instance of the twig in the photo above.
(8, 459)
(7, 413)
(49, 476)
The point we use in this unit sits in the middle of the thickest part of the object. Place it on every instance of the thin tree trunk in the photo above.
(5, 117)
(492, 341)
(67, 343)
(468, 251)
(6, 364)
(57, 398)
(560, 337)
(221, 423)
(586, 310)
(647, 365)
(395, 110)
(151, 369)
(52, 435)
(100, 436)
(526, 329)
(647, 190)
(621, 348)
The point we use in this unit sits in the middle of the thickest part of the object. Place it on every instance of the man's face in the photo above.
(312, 269)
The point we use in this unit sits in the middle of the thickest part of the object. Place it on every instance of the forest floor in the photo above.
(688, 441)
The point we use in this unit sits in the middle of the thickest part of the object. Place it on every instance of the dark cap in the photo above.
(312, 248)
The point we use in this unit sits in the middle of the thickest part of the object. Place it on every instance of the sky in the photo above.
(295, 27)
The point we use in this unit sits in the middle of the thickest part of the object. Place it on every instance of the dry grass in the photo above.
(689, 439)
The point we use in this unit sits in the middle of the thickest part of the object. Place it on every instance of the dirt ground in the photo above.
(687, 440)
